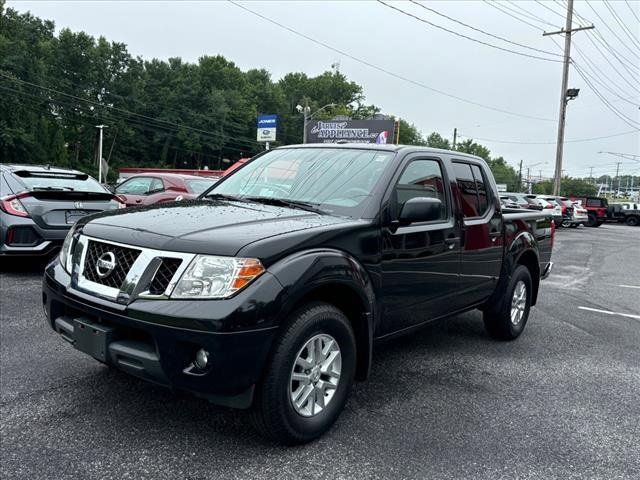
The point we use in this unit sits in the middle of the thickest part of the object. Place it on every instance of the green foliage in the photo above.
(568, 187)
(158, 113)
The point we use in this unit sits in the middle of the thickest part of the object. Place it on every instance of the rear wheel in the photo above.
(309, 378)
(573, 225)
(507, 318)
(593, 221)
(565, 223)
(633, 220)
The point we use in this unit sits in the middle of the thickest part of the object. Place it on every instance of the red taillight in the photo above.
(548, 205)
(13, 206)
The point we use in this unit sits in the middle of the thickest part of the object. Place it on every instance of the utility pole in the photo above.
(617, 177)
(591, 174)
(306, 119)
(100, 128)
(520, 176)
(528, 180)
(455, 137)
(540, 174)
(564, 94)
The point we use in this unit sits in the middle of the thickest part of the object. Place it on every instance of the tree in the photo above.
(409, 134)
(436, 140)
(568, 187)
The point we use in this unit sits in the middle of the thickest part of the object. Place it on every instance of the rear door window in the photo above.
(468, 189)
(483, 200)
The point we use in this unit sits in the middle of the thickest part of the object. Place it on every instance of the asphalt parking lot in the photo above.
(563, 401)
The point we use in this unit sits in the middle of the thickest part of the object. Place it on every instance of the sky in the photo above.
(433, 65)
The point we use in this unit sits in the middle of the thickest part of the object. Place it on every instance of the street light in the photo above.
(306, 116)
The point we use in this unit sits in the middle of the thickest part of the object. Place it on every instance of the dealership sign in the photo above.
(267, 125)
(351, 131)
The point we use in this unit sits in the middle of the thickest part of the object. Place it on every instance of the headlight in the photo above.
(216, 277)
(67, 250)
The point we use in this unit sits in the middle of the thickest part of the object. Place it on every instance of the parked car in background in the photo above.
(553, 205)
(127, 172)
(38, 205)
(628, 213)
(579, 217)
(235, 166)
(524, 200)
(596, 209)
(506, 202)
(149, 189)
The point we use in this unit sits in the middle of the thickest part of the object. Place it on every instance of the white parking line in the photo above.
(608, 312)
(629, 286)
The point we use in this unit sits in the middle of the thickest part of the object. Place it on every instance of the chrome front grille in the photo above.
(124, 260)
(138, 272)
(163, 276)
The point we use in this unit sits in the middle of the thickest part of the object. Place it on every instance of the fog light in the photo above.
(202, 358)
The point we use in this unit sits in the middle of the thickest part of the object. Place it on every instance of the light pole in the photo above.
(100, 127)
(306, 116)
(529, 167)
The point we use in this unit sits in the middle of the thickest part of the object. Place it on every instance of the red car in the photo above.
(151, 188)
(238, 164)
(596, 207)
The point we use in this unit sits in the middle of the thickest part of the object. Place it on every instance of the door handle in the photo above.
(138, 201)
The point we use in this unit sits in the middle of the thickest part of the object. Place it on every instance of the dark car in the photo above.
(524, 200)
(151, 188)
(38, 205)
(269, 291)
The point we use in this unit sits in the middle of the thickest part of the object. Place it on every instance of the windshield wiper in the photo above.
(280, 202)
(222, 196)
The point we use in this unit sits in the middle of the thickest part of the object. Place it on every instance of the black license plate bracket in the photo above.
(72, 216)
(92, 338)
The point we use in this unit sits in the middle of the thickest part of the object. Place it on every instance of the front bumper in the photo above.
(157, 340)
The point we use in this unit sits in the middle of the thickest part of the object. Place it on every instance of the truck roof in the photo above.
(383, 148)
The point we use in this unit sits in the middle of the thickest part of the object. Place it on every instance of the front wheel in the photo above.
(507, 318)
(309, 377)
(593, 221)
(566, 223)
(633, 220)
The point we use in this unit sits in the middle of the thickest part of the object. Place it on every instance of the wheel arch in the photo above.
(336, 278)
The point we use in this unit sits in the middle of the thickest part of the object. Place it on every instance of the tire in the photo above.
(573, 225)
(273, 413)
(593, 221)
(498, 318)
(599, 223)
(565, 224)
(632, 220)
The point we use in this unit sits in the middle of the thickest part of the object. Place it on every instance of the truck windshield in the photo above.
(334, 180)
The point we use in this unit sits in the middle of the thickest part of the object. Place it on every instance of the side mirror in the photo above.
(420, 209)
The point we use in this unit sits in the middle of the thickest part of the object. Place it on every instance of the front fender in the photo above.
(306, 272)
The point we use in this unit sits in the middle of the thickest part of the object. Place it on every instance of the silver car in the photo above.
(38, 205)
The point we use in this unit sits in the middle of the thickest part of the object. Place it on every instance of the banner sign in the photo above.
(351, 131)
(267, 126)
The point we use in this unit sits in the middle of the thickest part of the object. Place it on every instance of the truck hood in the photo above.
(218, 227)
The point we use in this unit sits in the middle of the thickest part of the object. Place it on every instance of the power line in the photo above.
(623, 117)
(632, 10)
(122, 110)
(549, 8)
(611, 30)
(114, 116)
(623, 25)
(575, 140)
(498, 37)
(383, 70)
(518, 9)
(500, 9)
(461, 35)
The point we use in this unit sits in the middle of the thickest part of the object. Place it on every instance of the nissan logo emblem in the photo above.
(105, 264)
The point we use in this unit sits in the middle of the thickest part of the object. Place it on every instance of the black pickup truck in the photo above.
(269, 291)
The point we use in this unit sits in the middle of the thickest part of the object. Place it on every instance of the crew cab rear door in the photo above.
(419, 260)
(482, 232)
